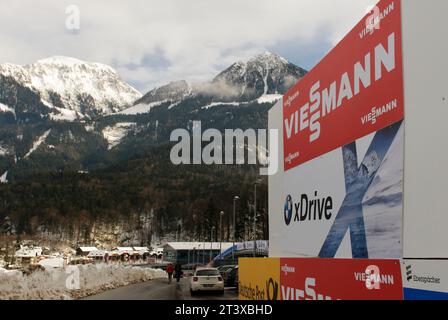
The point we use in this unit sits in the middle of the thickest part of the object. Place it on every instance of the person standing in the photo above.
(169, 270)
(178, 271)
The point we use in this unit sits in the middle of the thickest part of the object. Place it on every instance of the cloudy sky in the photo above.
(152, 42)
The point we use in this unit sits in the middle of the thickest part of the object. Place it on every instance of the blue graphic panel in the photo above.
(416, 294)
(357, 182)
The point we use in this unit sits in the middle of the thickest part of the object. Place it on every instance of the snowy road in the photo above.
(160, 290)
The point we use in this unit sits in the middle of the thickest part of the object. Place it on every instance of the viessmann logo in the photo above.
(307, 209)
(287, 269)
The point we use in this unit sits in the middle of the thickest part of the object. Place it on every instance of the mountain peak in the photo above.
(72, 63)
(268, 56)
(264, 77)
(71, 88)
(264, 74)
(60, 60)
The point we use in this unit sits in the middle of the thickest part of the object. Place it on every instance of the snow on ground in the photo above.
(4, 178)
(3, 151)
(52, 263)
(269, 98)
(56, 284)
(266, 98)
(171, 106)
(5, 108)
(37, 143)
(64, 115)
(90, 127)
(215, 104)
(114, 134)
(142, 108)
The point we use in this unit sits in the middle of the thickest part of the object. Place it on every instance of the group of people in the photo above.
(177, 270)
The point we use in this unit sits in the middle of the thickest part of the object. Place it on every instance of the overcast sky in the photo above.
(152, 42)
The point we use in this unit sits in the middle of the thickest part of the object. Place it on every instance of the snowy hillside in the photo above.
(68, 87)
(263, 79)
(114, 134)
(37, 143)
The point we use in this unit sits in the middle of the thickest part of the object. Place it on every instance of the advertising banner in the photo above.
(355, 90)
(425, 279)
(343, 149)
(340, 279)
(259, 278)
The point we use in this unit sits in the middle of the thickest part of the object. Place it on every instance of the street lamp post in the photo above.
(203, 252)
(255, 215)
(220, 231)
(234, 226)
(211, 242)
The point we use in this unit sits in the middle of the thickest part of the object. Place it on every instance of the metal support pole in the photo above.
(255, 218)
(220, 231)
(211, 242)
(234, 226)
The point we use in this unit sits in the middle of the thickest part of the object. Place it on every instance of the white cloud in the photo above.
(195, 37)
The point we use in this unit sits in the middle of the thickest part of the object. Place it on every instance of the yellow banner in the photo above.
(259, 278)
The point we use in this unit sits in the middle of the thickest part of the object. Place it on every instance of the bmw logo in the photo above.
(287, 210)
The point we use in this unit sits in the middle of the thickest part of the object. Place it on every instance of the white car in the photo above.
(206, 279)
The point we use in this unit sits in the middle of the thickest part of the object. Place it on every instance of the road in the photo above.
(160, 289)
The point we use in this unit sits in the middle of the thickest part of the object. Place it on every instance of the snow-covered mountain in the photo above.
(263, 78)
(64, 88)
(128, 151)
(264, 74)
(61, 88)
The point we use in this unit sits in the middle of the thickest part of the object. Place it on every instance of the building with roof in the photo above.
(27, 255)
(84, 251)
(259, 248)
(193, 252)
(98, 255)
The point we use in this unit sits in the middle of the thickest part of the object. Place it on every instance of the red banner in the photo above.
(340, 279)
(355, 90)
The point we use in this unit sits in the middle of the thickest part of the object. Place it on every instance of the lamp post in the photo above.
(255, 214)
(220, 231)
(203, 253)
(234, 226)
(211, 242)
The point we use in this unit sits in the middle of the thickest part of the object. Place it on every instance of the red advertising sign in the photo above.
(340, 279)
(355, 90)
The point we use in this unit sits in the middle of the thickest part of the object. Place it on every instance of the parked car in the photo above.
(231, 277)
(206, 279)
(224, 269)
(229, 273)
